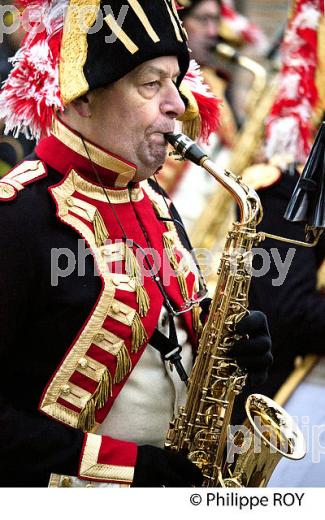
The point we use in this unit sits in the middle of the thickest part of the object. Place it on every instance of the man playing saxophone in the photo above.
(96, 276)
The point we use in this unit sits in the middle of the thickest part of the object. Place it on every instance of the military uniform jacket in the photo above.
(76, 315)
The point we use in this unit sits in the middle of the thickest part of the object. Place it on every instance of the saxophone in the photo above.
(201, 429)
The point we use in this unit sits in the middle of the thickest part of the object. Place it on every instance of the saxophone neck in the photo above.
(246, 198)
(248, 201)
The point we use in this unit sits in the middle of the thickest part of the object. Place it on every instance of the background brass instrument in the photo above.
(210, 229)
(201, 429)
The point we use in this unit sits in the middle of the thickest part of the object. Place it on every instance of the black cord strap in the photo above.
(169, 349)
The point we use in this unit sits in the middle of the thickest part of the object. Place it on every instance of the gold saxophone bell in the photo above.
(202, 427)
(269, 434)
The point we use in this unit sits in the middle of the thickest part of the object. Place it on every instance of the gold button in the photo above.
(83, 363)
(65, 389)
(115, 308)
(115, 282)
(66, 482)
(69, 201)
(106, 252)
(99, 337)
(6, 191)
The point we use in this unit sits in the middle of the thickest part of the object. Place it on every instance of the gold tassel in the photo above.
(182, 285)
(191, 119)
(139, 334)
(170, 226)
(133, 270)
(124, 364)
(143, 300)
(104, 389)
(157, 208)
(169, 248)
(192, 127)
(87, 418)
(197, 326)
(131, 266)
(101, 233)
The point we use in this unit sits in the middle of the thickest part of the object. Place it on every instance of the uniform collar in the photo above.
(64, 150)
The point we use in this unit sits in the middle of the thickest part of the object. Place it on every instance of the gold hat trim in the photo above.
(134, 4)
(173, 16)
(120, 34)
(74, 47)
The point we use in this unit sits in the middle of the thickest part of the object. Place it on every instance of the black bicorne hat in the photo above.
(151, 30)
(121, 35)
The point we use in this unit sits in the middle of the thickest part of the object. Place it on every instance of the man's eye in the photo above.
(152, 84)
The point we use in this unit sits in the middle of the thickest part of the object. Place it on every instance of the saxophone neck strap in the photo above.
(169, 348)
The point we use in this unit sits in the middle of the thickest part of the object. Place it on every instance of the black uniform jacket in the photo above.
(39, 321)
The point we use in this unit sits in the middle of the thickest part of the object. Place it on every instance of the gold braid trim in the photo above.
(80, 397)
(91, 213)
(124, 364)
(87, 420)
(133, 270)
(90, 468)
(101, 233)
(139, 334)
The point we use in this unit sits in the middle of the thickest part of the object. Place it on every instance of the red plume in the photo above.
(208, 103)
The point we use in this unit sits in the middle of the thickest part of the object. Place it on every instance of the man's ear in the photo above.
(81, 106)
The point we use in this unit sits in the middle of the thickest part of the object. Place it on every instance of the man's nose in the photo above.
(172, 105)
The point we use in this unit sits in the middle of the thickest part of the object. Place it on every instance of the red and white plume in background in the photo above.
(288, 129)
(31, 92)
(242, 26)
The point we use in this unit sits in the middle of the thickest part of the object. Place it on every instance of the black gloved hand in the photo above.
(156, 467)
(205, 307)
(254, 353)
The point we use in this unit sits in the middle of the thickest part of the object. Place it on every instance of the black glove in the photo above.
(254, 352)
(156, 467)
(205, 307)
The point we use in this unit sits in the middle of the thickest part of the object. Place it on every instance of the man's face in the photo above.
(201, 25)
(131, 116)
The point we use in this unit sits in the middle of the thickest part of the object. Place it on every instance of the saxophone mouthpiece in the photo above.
(187, 148)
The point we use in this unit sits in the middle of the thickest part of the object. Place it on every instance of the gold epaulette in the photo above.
(19, 177)
(261, 176)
